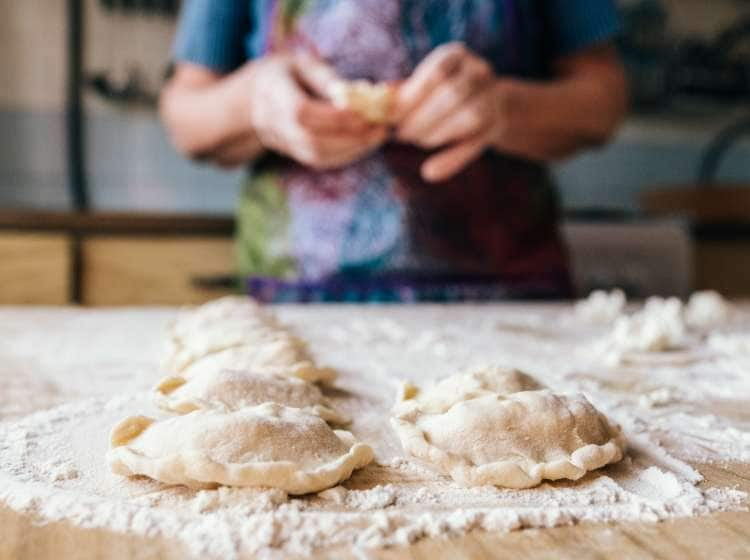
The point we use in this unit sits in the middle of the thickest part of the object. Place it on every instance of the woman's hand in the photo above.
(450, 100)
(267, 103)
(454, 101)
(289, 118)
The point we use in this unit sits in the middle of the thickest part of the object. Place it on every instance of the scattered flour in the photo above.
(659, 397)
(733, 344)
(601, 307)
(657, 327)
(706, 309)
(52, 461)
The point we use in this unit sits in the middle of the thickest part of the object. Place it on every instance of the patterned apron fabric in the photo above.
(374, 230)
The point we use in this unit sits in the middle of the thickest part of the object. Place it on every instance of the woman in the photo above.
(452, 200)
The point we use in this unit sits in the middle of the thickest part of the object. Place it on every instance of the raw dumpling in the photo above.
(371, 101)
(274, 358)
(237, 333)
(267, 445)
(514, 439)
(466, 386)
(232, 390)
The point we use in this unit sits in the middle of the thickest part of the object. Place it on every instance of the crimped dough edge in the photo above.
(510, 474)
(163, 398)
(196, 471)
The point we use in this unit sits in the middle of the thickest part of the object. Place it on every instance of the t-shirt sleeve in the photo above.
(578, 24)
(211, 33)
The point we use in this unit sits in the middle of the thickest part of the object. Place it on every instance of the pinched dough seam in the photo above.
(266, 328)
(508, 474)
(185, 405)
(305, 370)
(181, 355)
(198, 471)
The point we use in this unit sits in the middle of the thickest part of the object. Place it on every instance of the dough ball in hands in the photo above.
(373, 101)
(231, 390)
(269, 445)
(514, 440)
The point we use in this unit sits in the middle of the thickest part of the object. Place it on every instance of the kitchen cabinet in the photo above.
(147, 259)
(35, 268)
(102, 259)
(122, 270)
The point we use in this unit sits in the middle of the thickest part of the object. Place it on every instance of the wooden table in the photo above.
(720, 536)
(717, 536)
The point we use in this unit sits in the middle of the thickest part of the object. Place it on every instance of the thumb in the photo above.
(446, 163)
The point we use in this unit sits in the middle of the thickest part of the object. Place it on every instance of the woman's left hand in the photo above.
(452, 99)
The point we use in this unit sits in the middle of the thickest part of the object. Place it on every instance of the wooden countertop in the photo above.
(716, 536)
(720, 536)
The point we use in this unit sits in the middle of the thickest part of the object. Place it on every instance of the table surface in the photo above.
(720, 535)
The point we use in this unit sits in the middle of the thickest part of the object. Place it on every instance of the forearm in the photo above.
(547, 121)
(209, 120)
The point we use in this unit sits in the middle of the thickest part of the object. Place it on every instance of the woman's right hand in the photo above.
(289, 113)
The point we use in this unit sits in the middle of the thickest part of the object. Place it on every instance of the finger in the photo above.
(463, 124)
(236, 152)
(323, 150)
(323, 117)
(450, 161)
(445, 100)
(437, 67)
(353, 154)
(314, 74)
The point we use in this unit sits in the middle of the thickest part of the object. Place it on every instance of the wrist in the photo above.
(509, 108)
(245, 96)
(241, 102)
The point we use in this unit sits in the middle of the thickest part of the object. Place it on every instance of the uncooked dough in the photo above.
(267, 445)
(601, 307)
(237, 333)
(511, 439)
(658, 327)
(273, 358)
(234, 389)
(470, 385)
(371, 100)
(706, 309)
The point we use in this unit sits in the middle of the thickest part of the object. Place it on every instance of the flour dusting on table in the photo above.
(52, 461)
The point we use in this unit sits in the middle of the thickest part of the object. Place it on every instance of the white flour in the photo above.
(52, 462)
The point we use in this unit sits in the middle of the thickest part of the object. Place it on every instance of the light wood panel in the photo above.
(152, 270)
(34, 268)
(22, 538)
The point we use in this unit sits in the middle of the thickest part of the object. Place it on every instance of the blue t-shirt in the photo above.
(496, 219)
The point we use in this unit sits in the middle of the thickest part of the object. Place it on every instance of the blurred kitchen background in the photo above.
(96, 206)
